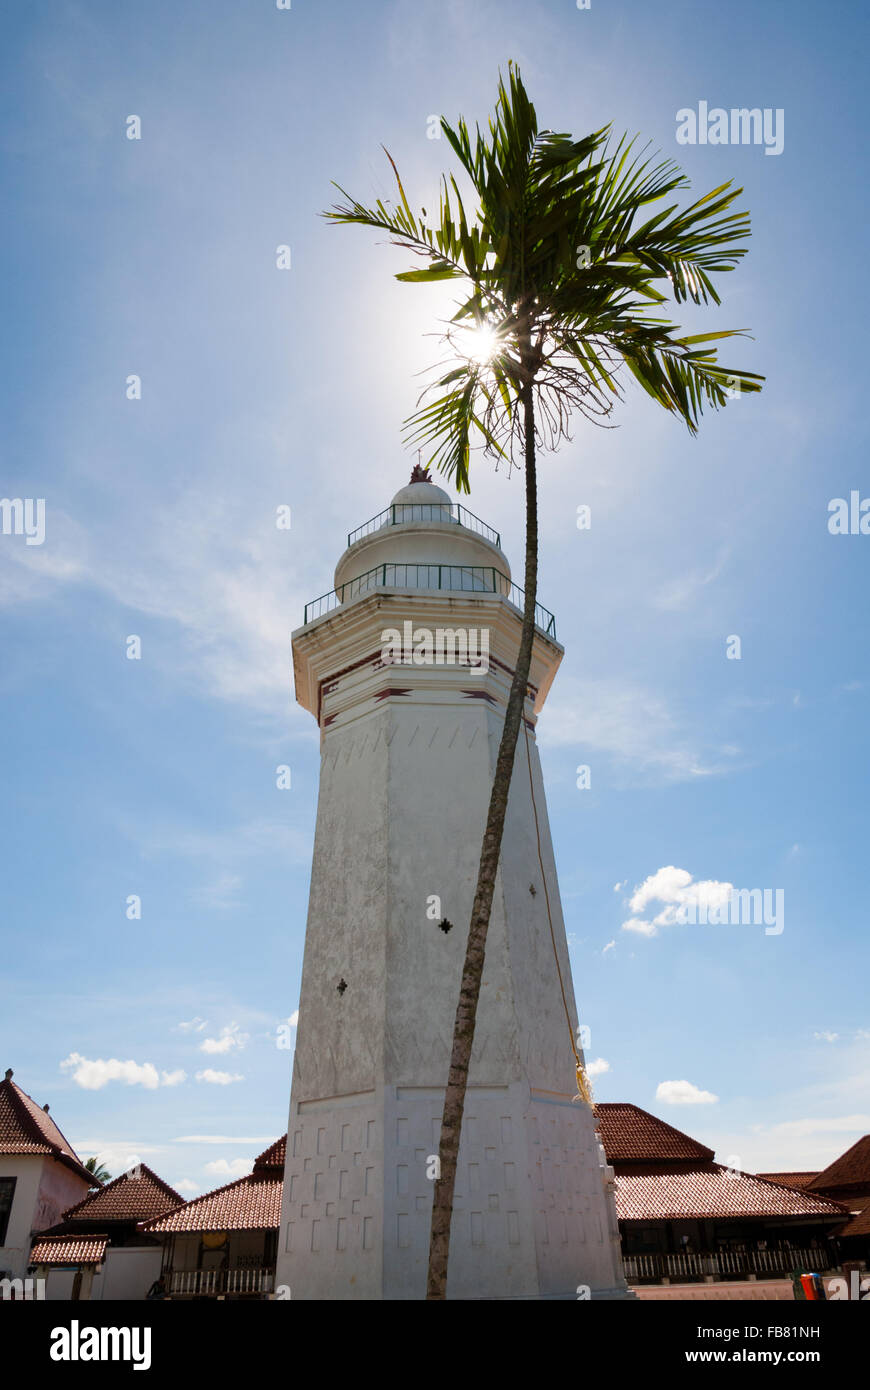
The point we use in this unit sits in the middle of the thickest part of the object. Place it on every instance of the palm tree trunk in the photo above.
(472, 972)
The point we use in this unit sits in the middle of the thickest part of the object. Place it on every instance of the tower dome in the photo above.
(422, 540)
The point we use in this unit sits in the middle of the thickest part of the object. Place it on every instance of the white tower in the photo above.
(408, 753)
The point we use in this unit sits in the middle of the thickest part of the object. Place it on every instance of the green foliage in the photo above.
(572, 248)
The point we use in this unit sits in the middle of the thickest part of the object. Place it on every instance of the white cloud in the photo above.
(231, 1037)
(637, 924)
(194, 1025)
(683, 1093)
(609, 947)
(633, 726)
(673, 887)
(94, 1075)
(173, 1078)
(186, 1185)
(665, 885)
(826, 1037)
(229, 1168)
(293, 1020)
(118, 1155)
(597, 1068)
(218, 1078)
(213, 567)
(224, 1139)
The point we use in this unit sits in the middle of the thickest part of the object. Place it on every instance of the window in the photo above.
(7, 1191)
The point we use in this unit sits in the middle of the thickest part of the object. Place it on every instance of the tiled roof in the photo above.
(799, 1180)
(851, 1169)
(670, 1192)
(632, 1135)
(858, 1226)
(25, 1128)
(249, 1204)
(273, 1157)
(68, 1250)
(126, 1198)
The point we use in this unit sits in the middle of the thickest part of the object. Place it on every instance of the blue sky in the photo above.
(263, 387)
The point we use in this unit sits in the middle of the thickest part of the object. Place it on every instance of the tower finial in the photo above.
(419, 474)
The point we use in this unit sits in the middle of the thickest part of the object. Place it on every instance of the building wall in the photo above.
(59, 1285)
(27, 1169)
(127, 1273)
(59, 1188)
(403, 797)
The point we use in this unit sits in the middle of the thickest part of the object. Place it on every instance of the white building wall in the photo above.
(408, 756)
(127, 1273)
(27, 1169)
(403, 799)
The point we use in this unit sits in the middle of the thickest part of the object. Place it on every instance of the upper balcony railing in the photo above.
(725, 1264)
(476, 579)
(402, 512)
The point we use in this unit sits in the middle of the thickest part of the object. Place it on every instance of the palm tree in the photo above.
(100, 1173)
(574, 247)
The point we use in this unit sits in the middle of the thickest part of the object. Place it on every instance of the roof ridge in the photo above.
(700, 1150)
(823, 1179)
(226, 1187)
(155, 1179)
(38, 1124)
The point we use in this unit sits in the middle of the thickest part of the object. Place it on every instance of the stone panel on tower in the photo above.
(408, 751)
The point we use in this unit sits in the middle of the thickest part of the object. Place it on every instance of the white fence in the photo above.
(209, 1283)
(724, 1264)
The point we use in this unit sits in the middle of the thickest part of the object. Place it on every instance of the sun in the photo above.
(480, 344)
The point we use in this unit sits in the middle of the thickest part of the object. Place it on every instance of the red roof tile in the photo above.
(249, 1204)
(273, 1157)
(670, 1192)
(126, 1198)
(632, 1135)
(25, 1128)
(851, 1169)
(68, 1250)
(858, 1226)
(799, 1180)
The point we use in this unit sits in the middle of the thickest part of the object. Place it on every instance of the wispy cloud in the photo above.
(224, 1139)
(231, 1039)
(631, 725)
(221, 893)
(218, 1078)
(680, 593)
